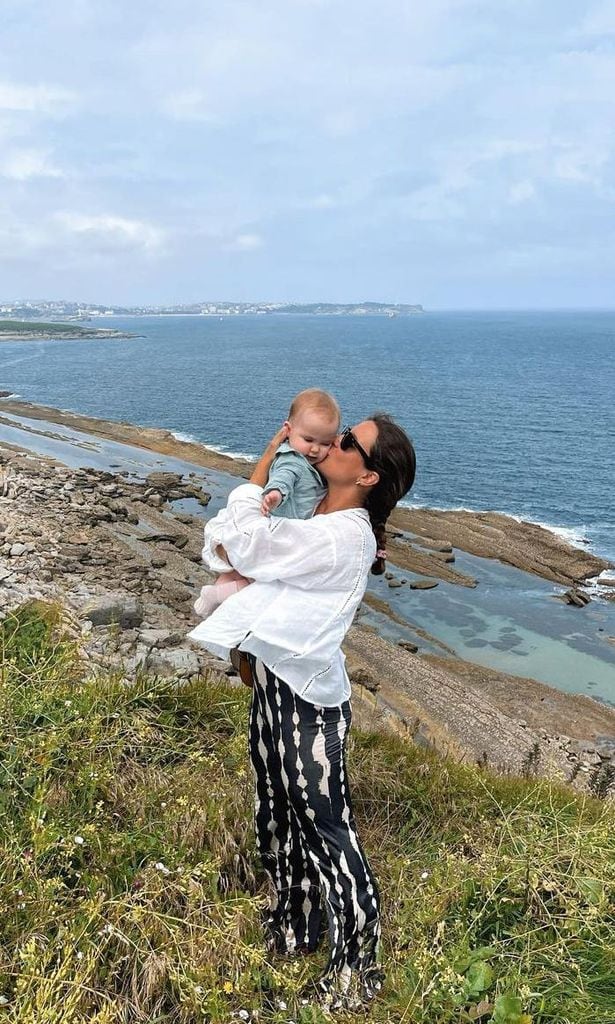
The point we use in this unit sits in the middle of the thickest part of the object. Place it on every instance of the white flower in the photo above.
(79, 840)
(3, 1001)
(424, 875)
(162, 868)
(79, 955)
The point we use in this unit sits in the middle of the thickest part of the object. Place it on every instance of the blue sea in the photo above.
(508, 411)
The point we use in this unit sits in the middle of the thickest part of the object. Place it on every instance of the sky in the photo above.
(456, 153)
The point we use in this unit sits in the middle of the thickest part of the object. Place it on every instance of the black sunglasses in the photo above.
(348, 440)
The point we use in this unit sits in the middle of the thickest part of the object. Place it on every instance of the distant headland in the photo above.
(36, 330)
(60, 310)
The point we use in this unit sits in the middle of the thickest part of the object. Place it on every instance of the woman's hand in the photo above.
(261, 470)
(279, 436)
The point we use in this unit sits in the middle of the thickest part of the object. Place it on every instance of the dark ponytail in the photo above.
(395, 461)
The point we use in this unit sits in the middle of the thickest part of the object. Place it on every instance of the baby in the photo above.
(294, 487)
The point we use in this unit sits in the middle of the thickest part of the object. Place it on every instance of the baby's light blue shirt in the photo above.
(299, 482)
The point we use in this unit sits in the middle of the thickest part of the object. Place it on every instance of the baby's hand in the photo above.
(271, 500)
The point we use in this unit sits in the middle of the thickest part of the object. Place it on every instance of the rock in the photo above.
(442, 556)
(155, 500)
(394, 584)
(158, 562)
(576, 598)
(423, 584)
(159, 637)
(125, 611)
(434, 545)
(363, 677)
(180, 542)
(163, 481)
(17, 550)
(157, 538)
(176, 662)
(388, 575)
(407, 645)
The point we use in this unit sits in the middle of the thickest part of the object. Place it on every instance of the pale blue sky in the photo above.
(458, 153)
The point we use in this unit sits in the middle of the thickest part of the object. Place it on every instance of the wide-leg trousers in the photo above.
(307, 839)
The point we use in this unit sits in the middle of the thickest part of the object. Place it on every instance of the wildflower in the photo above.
(424, 875)
(78, 840)
(3, 1001)
(162, 868)
(79, 955)
(68, 703)
(243, 1014)
(228, 986)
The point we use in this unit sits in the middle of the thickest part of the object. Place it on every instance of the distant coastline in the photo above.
(28, 311)
(18, 330)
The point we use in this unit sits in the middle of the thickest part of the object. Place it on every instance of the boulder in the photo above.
(576, 597)
(163, 481)
(127, 612)
(176, 662)
(423, 584)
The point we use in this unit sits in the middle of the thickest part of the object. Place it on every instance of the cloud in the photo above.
(40, 99)
(109, 232)
(245, 243)
(521, 192)
(23, 164)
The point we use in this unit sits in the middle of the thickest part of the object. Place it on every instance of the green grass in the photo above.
(129, 890)
(37, 327)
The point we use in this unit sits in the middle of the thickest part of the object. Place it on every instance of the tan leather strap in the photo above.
(239, 661)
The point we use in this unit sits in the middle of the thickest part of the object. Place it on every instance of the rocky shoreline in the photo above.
(421, 540)
(126, 566)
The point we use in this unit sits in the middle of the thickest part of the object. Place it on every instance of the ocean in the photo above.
(508, 411)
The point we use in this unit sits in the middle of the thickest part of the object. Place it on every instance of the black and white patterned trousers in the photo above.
(307, 839)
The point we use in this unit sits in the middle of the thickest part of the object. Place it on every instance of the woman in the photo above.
(310, 576)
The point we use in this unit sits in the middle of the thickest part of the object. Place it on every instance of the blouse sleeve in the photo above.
(301, 551)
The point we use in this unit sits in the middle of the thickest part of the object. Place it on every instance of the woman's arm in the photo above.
(308, 552)
(262, 467)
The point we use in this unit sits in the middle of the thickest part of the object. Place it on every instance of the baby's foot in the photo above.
(212, 596)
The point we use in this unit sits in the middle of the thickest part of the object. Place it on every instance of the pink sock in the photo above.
(212, 596)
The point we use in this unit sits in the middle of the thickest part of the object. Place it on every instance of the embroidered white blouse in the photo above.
(310, 576)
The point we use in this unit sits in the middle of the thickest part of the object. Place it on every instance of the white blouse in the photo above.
(310, 576)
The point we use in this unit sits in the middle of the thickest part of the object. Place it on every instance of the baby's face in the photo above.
(312, 434)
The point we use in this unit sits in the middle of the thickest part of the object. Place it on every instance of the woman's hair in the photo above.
(395, 461)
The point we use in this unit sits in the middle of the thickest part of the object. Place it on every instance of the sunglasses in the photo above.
(348, 440)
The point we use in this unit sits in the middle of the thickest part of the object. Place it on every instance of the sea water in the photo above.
(508, 411)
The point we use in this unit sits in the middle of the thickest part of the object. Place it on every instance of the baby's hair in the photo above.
(315, 400)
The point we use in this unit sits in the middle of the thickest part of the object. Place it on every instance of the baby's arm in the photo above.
(270, 501)
(281, 482)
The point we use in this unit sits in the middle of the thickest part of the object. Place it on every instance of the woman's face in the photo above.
(345, 466)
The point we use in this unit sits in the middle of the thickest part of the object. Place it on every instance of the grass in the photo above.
(37, 327)
(129, 890)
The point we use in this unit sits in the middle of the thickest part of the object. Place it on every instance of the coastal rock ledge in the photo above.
(127, 569)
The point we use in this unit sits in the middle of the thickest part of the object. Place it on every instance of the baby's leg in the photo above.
(210, 597)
